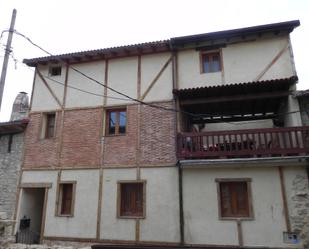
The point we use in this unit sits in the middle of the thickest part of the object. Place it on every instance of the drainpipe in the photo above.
(181, 216)
(175, 86)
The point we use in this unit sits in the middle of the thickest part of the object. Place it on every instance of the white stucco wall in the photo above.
(162, 203)
(42, 98)
(122, 76)
(83, 223)
(112, 227)
(258, 124)
(292, 117)
(202, 225)
(242, 62)
(150, 67)
(76, 98)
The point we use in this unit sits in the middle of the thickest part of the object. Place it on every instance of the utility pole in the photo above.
(6, 55)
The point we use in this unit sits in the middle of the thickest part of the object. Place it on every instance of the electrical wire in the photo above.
(123, 94)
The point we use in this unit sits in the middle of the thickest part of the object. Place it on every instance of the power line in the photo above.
(70, 86)
(107, 87)
(123, 94)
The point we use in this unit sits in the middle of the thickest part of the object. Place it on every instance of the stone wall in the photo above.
(9, 171)
(300, 207)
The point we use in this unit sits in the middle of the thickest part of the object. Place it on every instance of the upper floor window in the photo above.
(55, 70)
(210, 62)
(48, 125)
(234, 198)
(116, 121)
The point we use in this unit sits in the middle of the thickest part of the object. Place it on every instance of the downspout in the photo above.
(181, 216)
(180, 193)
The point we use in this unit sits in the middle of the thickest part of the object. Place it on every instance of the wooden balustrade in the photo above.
(271, 142)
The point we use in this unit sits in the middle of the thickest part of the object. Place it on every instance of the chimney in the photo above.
(20, 107)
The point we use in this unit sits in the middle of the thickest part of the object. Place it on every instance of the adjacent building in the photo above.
(194, 140)
(11, 151)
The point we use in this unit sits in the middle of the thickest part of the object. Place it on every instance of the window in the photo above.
(210, 62)
(131, 199)
(55, 70)
(66, 198)
(10, 143)
(116, 122)
(50, 120)
(234, 198)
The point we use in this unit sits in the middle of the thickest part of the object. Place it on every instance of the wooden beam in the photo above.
(284, 200)
(49, 89)
(273, 61)
(36, 185)
(240, 97)
(156, 78)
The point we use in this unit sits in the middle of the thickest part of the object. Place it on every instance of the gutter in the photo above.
(245, 162)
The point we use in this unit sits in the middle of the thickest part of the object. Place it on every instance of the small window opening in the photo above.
(55, 70)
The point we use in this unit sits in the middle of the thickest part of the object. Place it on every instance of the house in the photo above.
(194, 140)
(11, 148)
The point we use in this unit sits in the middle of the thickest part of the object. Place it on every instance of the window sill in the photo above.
(131, 217)
(211, 72)
(236, 218)
(115, 135)
(65, 215)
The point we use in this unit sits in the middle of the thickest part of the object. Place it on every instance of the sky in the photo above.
(77, 25)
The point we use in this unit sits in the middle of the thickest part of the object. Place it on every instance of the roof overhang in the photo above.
(274, 28)
(102, 54)
(13, 127)
(164, 45)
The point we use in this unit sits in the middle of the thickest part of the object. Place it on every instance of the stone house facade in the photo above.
(194, 140)
(11, 150)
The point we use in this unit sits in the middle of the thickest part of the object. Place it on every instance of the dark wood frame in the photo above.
(143, 216)
(50, 70)
(210, 54)
(118, 110)
(59, 199)
(47, 125)
(249, 197)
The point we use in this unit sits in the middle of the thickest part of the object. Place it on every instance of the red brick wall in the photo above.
(157, 135)
(40, 152)
(81, 140)
(121, 150)
(81, 145)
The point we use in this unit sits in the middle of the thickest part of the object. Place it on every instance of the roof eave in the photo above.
(226, 34)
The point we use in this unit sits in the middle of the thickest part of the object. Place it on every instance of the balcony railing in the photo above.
(271, 142)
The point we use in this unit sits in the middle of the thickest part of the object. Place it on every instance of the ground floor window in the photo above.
(66, 196)
(131, 199)
(234, 198)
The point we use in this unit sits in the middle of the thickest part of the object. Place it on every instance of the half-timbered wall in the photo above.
(202, 222)
(241, 62)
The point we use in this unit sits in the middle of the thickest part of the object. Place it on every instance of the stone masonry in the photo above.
(300, 207)
(9, 170)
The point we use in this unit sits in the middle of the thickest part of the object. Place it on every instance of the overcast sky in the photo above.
(76, 25)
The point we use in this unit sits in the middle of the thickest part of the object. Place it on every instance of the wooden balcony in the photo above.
(272, 142)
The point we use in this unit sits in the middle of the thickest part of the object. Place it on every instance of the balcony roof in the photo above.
(236, 102)
(161, 46)
(217, 90)
(13, 127)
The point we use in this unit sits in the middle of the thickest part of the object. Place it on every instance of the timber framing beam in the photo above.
(239, 97)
